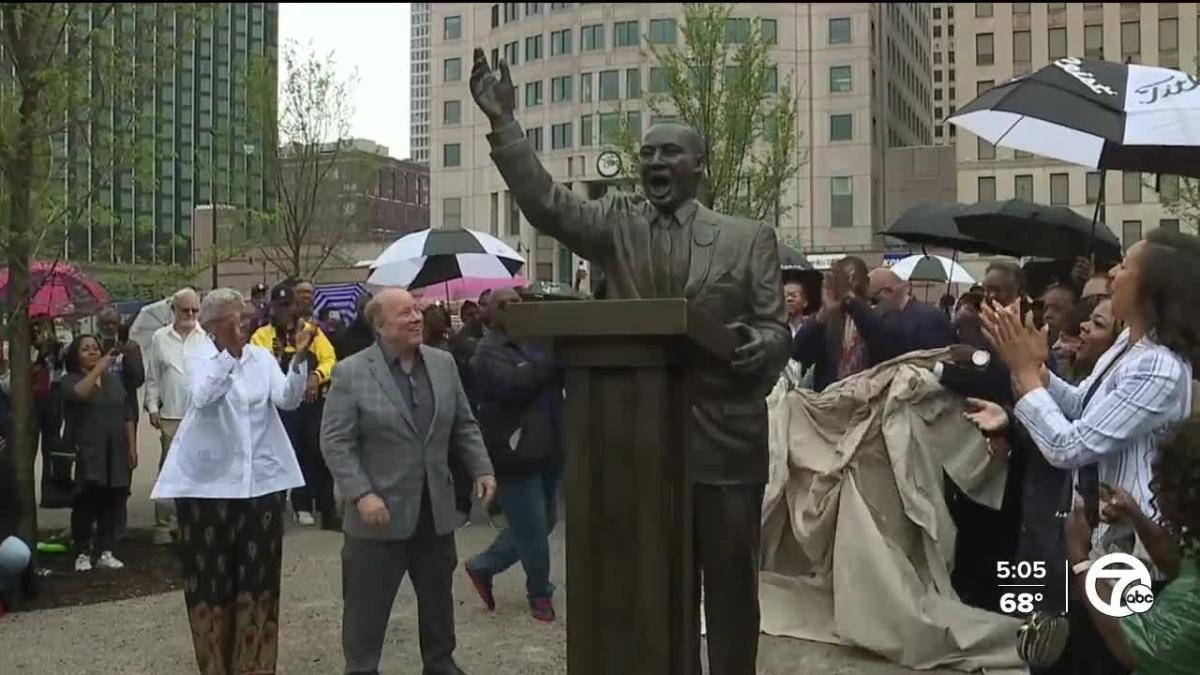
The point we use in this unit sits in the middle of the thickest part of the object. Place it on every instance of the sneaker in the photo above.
(483, 587)
(305, 518)
(542, 609)
(108, 561)
(83, 563)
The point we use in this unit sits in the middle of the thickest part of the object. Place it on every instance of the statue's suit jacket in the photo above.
(733, 276)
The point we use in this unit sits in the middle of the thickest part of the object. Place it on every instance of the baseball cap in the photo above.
(282, 294)
(258, 289)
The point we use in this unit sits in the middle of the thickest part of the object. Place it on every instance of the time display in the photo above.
(1022, 570)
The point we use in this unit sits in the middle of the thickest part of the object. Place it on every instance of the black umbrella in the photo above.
(932, 224)
(1029, 229)
(791, 259)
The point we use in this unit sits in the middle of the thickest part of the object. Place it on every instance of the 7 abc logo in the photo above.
(1131, 592)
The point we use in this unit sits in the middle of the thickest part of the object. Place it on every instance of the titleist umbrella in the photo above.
(1098, 114)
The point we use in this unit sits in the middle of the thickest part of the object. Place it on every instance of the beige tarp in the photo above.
(857, 541)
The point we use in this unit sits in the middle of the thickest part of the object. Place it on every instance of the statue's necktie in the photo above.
(662, 247)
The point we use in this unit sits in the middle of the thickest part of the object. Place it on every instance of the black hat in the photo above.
(282, 294)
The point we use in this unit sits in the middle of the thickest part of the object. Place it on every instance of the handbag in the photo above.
(58, 467)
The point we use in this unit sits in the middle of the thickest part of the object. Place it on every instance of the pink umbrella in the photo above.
(466, 288)
(58, 289)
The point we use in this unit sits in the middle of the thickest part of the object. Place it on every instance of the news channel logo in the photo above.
(1131, 592)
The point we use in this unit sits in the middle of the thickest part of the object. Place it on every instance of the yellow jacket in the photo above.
(322, 348)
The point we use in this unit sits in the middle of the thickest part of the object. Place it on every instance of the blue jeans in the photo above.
(530, 504)
(14, 558)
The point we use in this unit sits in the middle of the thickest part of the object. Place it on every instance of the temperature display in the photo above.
(1019, 603)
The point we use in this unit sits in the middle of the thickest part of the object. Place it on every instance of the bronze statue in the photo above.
(664, 245)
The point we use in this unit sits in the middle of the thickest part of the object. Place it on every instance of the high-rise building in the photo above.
(860, 74)
(998, 41)
(944, 73)
(419, 84)
(194, 124)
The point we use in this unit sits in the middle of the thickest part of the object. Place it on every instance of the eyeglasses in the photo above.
(188, 310)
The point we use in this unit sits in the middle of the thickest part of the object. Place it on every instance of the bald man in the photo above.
(394, 413)
(917, 325)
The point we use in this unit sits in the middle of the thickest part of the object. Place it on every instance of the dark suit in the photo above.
(727, 268)
(921, 326)
(812, 345)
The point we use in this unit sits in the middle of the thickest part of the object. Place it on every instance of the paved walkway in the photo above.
(150, 635)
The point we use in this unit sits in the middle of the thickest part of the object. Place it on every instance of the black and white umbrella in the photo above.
(1096, 114)
(432, 257)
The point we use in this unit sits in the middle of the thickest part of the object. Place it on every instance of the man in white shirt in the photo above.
(166, 387)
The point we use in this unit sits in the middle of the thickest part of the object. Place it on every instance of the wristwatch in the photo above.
(981, 358)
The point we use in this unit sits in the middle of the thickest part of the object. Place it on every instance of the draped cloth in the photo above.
(858, 543)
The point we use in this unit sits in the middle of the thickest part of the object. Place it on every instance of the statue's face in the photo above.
(672, 163)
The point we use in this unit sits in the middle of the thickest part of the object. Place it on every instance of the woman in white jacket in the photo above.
(228, 471)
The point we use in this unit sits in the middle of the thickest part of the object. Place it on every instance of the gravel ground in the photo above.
(149, 635)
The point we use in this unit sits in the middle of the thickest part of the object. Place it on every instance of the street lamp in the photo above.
(247, 150)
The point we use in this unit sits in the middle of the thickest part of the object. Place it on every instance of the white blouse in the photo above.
(231, 443)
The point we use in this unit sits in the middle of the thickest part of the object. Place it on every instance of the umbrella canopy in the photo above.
(340, 297)
(1029, 229)
(1097, 114)
(433, 257)
(467, 289)
(59, 289)
(149, 319)
(931, 268)
(791, 259)
(932, 224)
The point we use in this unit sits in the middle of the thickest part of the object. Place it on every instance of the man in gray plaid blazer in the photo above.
(394, 413)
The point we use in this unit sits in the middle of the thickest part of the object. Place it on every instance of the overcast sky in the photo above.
(372, 39)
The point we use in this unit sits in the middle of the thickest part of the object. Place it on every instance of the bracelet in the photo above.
(1081, 567)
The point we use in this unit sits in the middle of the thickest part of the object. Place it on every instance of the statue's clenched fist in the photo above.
(493, 90)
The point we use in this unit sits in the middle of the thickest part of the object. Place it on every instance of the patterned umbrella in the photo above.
(431, 257)
(59, 289)
(339, 297)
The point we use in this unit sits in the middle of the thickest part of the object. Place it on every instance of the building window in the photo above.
(561, 89)
(1131, 40)
(585, 131)
(937, 12)
(452, 112)
(512, 11)
(937, 58)
(1056, 43)
(983, 10)
(452, 28)
(840, 79)
(1131, 187)
(1169, 225)
(625, 34)
(560, 136)
(1168, 189)
(591, 37)
(452, 212)
(533, 48)
(986, 186)
(1131, 233)
(610, 127)
(633, 121)
(533, 93)
(662, 31)
(494, 223)
(841, 127)
(839, 31)
(1022, 47)
(452, 70)
(937, 31)
(560, 42)
(633, 83)
(495, 15)
(610, 85)
(771, 80)
(451, 154)
(585, 87)
(512, 53)
(1060, 189)
(985, 49)
(984, 149)
(841, 201)
(1093, 42)
(533, 8)
(737, 31)
(1020, 8)
(514, 214)
(1092, 187)
(770, 32)
(658, 80)
(937, 76)
(534, 137)
(1023, 187)
(1168, 42)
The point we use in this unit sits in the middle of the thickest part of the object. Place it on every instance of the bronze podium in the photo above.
(632, 607)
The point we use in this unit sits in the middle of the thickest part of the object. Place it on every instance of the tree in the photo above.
(722, 81)
(307, 134)
(72, 121)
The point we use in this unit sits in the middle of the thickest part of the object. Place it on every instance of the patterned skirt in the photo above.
(231, 551)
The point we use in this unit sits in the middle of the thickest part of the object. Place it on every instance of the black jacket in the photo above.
(810, 346)
(517, 387)
(353, 339)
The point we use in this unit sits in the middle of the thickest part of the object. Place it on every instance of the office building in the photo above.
(944, 73)
(860, 74)
(997, 41)
(419, 83)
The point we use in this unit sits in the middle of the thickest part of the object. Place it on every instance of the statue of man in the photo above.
(668, 245)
